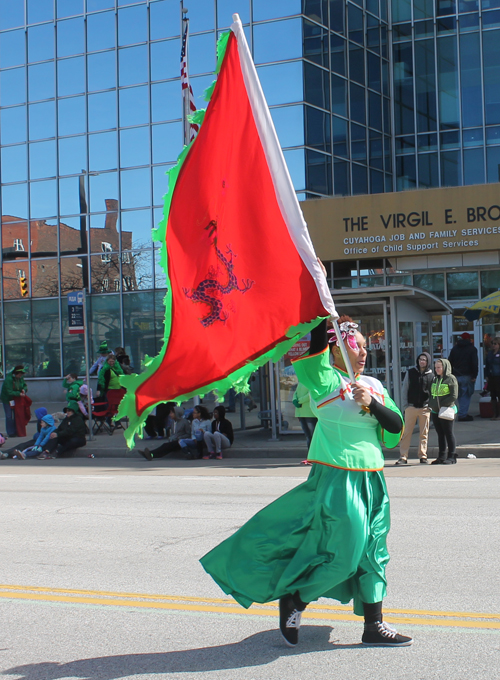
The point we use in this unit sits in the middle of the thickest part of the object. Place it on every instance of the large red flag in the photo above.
(243, 280)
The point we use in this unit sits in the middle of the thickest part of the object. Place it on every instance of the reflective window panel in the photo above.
(134, 105)
(70, 37)
(135, 147)
(11, 13)
(40, 43)
(282, 83)
(13, 86)
(71, 76)
(101, 71)
(135, 188)
(101, 31)
(14, 166)
(277, 41)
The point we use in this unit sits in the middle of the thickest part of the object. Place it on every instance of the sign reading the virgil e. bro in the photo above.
(423, 222)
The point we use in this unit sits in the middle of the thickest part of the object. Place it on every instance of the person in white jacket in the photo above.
(201, 423)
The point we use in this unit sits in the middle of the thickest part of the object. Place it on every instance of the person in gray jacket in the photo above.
(181, 429)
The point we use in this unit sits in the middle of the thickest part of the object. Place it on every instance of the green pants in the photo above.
(324, 538)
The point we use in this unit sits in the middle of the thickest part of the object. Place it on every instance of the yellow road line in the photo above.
(214, 600)
(221, 606)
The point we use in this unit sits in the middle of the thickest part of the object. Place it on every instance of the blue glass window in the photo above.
(491, 19)
(339, 96)
(405, 173)
(134, 106)
(316, 86)
(201, 16)
(318, 134)
(446, 7)
(103, 152)
(357, 64)
(40, 43)
(359, 179)
(165, 59)
(72, 155)
(136, 228)
(41, 81)
(43, 159)
(201, 54)
(341, 178)
(428, 170)
(282, 83)
(493, 135)
(12, 48)
(160, 184)
(375, 110)
(135, 188)
(101, 70)
(167, 142)
(70, 76)
(469, 22)
(40, 10)
(101, 31)
(15, 200)
(468, 5)
(315, 41)
(43, 199)
(401, 10)
(263, 9)
(13, 125)
(164, 20)
(72, 118)
(296, 167)
(11, 13)
(69, 197)
(493, 163)
(277, 41)
(427, 142)
(13, 86)
(166, 103)
(450, 140)
(337, 54)
(470, 67)
(96, 5)
(403, 89)
(69, 8)
(102, 187)
(226, 9)
(132, 25)
(14, 163)
(102, 111)
(42, 120)
(70, 37)
(374, 74)
(491, 66)
(357, 103)
(425, 85)
(451, 169)
(133, 65)
(289, 124)
(448, 83)
(134, 147)
(474, 166)
(340, 140)
(473, 137)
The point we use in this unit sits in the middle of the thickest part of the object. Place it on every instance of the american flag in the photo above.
(187, 91)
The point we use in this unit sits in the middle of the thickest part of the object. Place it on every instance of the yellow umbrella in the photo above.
(488, 305)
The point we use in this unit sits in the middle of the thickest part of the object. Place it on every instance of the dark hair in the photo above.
(74, 375)
(205, 415)
(221, 411)
(119, 350)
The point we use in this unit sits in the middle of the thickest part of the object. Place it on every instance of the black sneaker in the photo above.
(146, 453)
(289, 620)
(423, 461)
(401, 461)
(379, 634)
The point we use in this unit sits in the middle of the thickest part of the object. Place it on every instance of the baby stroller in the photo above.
(101, 415)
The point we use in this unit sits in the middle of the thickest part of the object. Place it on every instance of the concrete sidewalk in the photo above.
(480, 437)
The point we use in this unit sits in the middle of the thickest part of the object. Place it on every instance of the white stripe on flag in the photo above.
(283, 186)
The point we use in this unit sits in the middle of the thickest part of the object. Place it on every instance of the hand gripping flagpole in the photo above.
(343, 351)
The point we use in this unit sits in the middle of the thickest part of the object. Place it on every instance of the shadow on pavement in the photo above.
(257, 650)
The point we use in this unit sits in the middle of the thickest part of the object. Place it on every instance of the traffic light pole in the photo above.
(87, 364)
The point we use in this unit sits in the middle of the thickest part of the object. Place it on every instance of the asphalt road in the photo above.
(100, 576)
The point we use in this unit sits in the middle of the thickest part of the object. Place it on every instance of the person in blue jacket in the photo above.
(34, 446)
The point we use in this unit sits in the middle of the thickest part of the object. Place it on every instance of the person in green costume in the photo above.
(327, 536)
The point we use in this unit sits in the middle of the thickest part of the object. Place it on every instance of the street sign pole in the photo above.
(87, 363)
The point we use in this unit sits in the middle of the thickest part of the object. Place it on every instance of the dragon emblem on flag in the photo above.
(210, 290)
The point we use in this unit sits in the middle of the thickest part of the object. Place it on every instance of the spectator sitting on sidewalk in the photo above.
(72, 386)
(83, 402)
(35, 446)
(181, 429)
(14, 385)
(415, 397)
(221, 436)
(201, 423)
(463, 360)
(70, 434)
(40, 413)
(158, 422)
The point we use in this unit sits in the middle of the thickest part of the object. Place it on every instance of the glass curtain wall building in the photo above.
(367, 96)
(446, 66)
